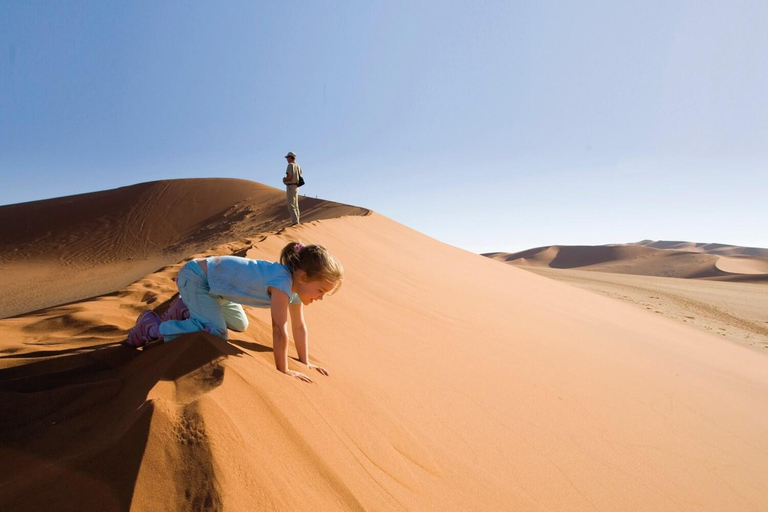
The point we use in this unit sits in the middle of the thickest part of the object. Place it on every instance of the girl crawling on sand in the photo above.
(213, 289)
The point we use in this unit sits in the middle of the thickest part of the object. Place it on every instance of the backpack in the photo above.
(300, 183)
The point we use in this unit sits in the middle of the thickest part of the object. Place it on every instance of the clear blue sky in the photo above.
(493, 126)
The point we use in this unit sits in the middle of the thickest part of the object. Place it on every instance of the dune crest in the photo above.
(70, 248)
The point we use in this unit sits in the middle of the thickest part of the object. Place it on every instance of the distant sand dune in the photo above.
(648, 274)
(743, 265)
(457, 383)
(663, 259)
(721, 249)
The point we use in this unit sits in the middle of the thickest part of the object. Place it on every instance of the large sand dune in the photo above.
(70, 248)
(457, 383)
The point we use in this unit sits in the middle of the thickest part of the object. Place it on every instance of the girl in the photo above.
(214, 288)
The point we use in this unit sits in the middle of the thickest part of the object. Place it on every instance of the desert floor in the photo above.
(735, 311)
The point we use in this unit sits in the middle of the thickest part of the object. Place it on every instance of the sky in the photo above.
(492, 126)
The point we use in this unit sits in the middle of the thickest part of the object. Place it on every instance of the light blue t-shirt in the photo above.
(245, 281)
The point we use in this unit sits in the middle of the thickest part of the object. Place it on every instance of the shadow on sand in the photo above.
(75, 423)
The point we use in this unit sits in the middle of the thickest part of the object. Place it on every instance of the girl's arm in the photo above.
(301, 336)
(280, 333)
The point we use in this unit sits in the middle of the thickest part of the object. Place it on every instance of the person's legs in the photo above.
(292, 192)
(177, 310)
(234, 315)
(204, 309)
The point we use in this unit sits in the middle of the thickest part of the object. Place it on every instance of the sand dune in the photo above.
(743, 265)
(709, 248)
(66, 249)
(457, 383)
(662, 259)
(674, 279)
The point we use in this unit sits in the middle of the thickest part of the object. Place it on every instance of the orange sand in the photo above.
(457, 383)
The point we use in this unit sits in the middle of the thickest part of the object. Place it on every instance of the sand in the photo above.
(743, 265)
(735, 311)
(718, 288)
(457, 383)
(709, 248)
(65, 249)
(661, 259)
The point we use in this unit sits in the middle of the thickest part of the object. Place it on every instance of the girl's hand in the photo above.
(318, 368)
(298, 375)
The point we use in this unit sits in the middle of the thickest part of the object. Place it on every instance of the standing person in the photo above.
(291, 181)
(213, 288)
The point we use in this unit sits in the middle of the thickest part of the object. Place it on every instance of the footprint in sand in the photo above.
(149, 298)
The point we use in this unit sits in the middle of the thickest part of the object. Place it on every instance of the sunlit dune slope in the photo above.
(741, 265)
(70, 248)
(457, 383)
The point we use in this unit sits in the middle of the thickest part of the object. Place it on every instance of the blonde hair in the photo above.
(315, 261)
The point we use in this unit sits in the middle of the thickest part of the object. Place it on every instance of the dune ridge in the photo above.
(456, 383)
(66, 249)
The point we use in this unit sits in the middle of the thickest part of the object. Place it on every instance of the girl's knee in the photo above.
(238, 325)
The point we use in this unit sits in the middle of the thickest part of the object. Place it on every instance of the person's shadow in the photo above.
(75, 423)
